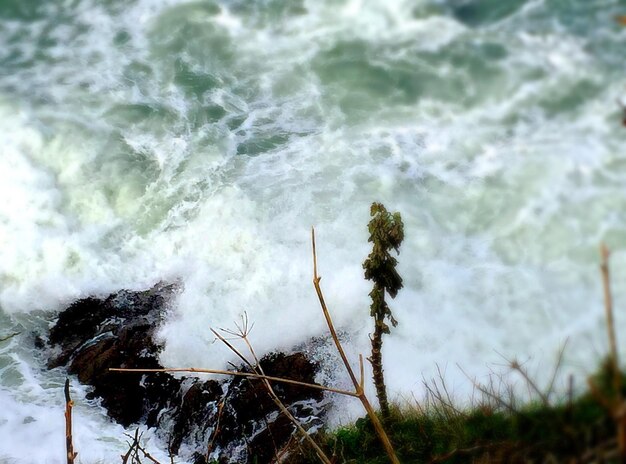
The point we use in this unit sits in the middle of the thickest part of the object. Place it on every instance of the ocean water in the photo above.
(198, 141)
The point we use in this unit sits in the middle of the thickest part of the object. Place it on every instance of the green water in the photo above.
(197, 142)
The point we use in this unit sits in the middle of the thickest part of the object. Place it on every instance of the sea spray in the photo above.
(197, 142)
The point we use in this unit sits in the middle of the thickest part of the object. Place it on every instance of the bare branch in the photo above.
(232, 348)
(216, 431)
(380, 431)
(329, 321)
(362, 374)
(252, 375)
(69, 445)
(259, 371)
(10, 336)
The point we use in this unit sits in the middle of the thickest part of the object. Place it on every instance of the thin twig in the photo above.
(448, 402)
(608, 306)
(490, 392)
(261, 374)
(71, 454)
(329, 321)
(10, 336)
(231, 347)
(216, 431)
(440, 398)
(516, 366)
(378, 427)
(362, 374)
(252, 375)
(131, 448)
(557, 368)
(138, 447)
(618, 411)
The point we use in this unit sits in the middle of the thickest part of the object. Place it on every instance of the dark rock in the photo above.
(196, 414)
(95, 335)
(236, 415)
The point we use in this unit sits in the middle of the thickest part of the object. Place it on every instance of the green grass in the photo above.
(480, 433)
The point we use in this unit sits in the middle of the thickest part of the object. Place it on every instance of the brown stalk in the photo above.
(9, 337)
(618, 409)
(608, 307)
(252, 375)
(71, 454)
(136, 446)
(131, 449)
(216, 431)
(378, 427)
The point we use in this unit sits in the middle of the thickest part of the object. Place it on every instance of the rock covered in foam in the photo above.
(236, 415)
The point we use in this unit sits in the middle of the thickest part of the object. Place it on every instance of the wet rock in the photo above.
(93, 335)
(236, 416)
(197, 414)
(251, 410)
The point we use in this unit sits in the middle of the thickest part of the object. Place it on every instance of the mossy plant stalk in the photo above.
(386, 233)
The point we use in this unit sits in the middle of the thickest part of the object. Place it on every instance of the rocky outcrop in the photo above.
(93, 335)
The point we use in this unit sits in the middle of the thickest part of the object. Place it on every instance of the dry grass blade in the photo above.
(515, 365)
(439, 399)
(559, 362)
(493, 393)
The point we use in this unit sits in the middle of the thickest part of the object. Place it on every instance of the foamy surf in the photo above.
(197, 142)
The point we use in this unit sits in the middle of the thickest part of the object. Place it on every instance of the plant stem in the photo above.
(377, 368)
(378, 427)
(71, 454)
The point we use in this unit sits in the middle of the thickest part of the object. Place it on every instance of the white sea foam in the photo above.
(499, 144)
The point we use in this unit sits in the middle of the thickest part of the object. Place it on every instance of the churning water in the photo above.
(198, 141)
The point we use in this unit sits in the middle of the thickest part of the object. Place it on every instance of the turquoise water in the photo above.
(198, 142)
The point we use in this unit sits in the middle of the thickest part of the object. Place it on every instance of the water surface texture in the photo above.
(197, 142)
